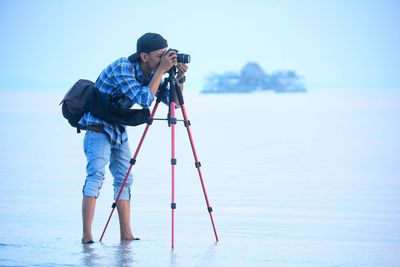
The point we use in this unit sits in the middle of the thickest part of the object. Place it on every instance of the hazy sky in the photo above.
(333, 44)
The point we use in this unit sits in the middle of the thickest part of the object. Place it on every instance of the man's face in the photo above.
(154, 58)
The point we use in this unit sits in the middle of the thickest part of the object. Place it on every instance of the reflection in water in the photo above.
(102, 255)
(193, 256)
(90, 257)
(124, 254)
(208, 258)
(173, 259)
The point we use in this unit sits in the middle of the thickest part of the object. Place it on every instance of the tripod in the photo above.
(173, 93)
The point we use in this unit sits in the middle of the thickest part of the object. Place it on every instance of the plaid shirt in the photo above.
(123, 82)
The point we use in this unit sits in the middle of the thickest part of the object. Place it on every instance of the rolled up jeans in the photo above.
(99, 152)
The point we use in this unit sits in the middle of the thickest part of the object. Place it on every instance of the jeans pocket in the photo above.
(95, 143)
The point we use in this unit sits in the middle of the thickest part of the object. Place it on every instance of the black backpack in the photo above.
(76, 100)
(84, 97)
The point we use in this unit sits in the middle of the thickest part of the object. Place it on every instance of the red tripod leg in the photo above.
(132, 162)
(172, 122)
(198, 165)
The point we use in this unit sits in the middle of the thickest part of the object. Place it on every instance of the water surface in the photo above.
(294, 180)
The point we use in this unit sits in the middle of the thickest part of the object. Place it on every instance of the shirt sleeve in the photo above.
(135, 93)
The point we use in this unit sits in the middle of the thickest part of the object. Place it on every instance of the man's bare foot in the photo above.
(90, 241)
(87, 239)
(129, 238)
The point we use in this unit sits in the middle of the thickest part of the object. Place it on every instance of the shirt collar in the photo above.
(143, 79)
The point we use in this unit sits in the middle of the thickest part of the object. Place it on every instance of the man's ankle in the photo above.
(126, 234)
(86, 238)
(127, 238)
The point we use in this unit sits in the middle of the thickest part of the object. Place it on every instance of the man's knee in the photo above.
(126, 191)
(92, 186)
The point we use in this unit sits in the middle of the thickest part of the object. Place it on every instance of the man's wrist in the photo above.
(181, 80)
(159, 72)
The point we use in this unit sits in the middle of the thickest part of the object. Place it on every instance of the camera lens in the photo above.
(183, 58)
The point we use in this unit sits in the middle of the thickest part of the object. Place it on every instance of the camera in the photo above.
(181, 58)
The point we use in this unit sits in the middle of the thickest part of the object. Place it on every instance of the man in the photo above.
(126, 81)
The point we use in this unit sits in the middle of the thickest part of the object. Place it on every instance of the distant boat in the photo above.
(253, 78)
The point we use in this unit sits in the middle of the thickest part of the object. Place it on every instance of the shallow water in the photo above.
(294, 180)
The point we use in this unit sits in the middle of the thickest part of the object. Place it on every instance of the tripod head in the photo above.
(175, 92)
(172, 72)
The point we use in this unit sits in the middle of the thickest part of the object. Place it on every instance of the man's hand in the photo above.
(182, 69)
(168, 60)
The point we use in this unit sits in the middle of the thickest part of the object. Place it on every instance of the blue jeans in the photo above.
(99, 152)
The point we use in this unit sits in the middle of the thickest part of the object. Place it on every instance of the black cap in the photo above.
(148, 42)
